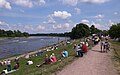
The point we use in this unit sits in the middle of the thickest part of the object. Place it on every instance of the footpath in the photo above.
(93, 63)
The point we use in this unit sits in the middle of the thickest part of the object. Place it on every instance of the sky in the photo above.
(57, 16)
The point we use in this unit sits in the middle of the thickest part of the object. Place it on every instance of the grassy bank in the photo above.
(46, 69)
(116, 54)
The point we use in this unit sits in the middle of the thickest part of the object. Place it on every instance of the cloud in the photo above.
(39, 27)
(70, 2)
(25, 3)
(77, 10)
(61, 14)
(61, 26)
(5, 4)
(99, 16)
(28, 3)
(97, 25)
(115, 13)
(75, 2)
(36, 28)
(2, 23)
(51, 20)
(57, 26)
(110, 23)
(94, 1)
(84, 21)
(66, 25)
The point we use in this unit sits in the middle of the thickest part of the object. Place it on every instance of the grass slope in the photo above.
(46, 69)
(116, 55)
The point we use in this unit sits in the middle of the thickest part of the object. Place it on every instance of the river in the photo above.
(14, 46)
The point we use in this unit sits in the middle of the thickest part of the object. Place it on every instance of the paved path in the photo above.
(94, 63)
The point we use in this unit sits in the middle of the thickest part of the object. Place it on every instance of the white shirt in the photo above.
(30, 62)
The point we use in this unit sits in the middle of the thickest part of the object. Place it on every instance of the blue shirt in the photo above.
(65, 53)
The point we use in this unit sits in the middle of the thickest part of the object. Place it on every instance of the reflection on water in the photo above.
(13, 46)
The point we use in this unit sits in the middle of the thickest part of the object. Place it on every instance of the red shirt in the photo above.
(84, 48)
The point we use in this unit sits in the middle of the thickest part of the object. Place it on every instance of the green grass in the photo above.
(116, 55)
(46, 69)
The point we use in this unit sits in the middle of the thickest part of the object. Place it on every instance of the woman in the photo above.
(53, 58)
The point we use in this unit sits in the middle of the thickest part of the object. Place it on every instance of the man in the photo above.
(9, 65)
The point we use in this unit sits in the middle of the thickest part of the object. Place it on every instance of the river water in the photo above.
(13, 46)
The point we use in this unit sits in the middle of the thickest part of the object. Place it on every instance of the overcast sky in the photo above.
(56, 16)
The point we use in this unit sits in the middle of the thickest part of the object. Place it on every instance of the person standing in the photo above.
(9, 65)
(84, 47)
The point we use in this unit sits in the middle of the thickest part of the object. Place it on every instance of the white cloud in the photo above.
(5, 4)
(94, 1)
(70, 2)
(57, 26)
(115, 13)
(28, 3)
(99, 16)
(61, 26)
(2, 23)
(66, 25)
(84, 21)
(97, 25)
(110, 23)
(51, 20)
(61, 14)
(39, 27)
(39, 2)
(77, 10)
(75, 2)
(25, 3)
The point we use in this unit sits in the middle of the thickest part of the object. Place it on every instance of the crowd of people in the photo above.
(9, 69)
(80, 50)
(104, 44)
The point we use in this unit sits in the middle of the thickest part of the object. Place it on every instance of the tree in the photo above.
(14, 33)
(81, 30)
(9, 33)
(25, 34)
(114, 31)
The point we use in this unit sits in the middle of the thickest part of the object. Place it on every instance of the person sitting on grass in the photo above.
(16, 66)
(64, 54)
(53, 58)
(4, 72)
(46, 61)
(29, 62)
(79, 50)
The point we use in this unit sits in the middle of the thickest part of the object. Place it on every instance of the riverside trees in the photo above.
(15, 33)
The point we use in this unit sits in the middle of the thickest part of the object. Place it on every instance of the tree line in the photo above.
(114, 31)
(15, 33)
(52, 34)
(83, 30)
